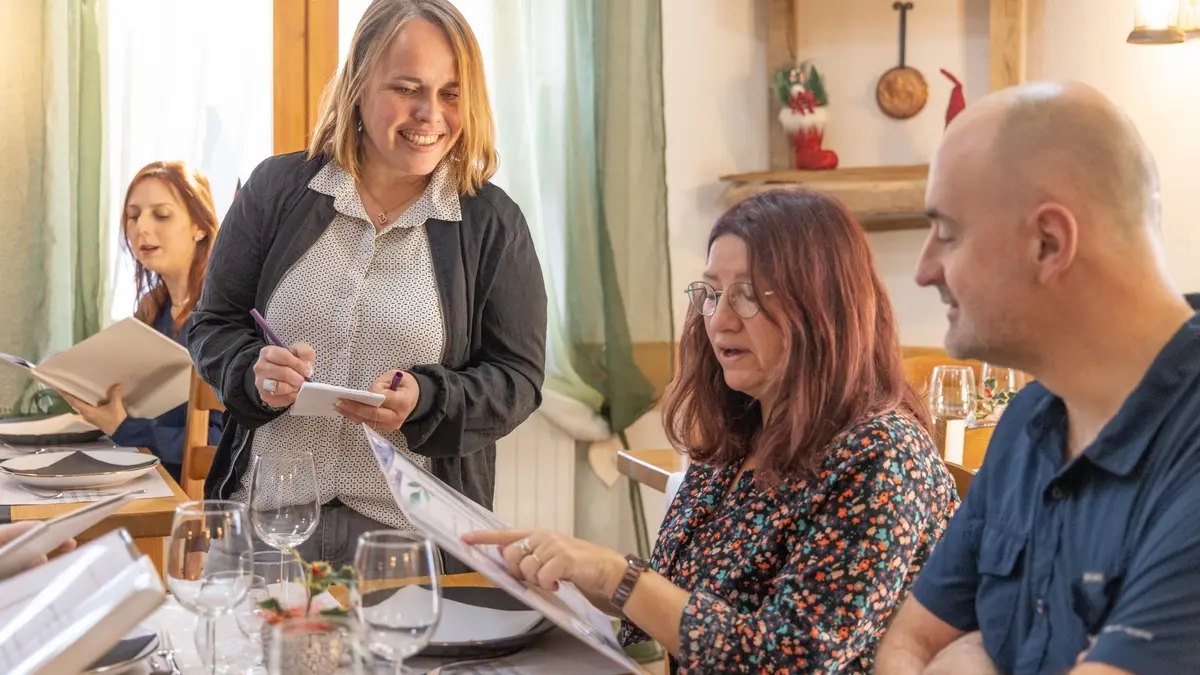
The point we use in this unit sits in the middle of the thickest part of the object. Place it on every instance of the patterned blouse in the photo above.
(368, 302)
(802, 578)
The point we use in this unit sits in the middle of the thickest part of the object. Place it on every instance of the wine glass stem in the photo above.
(210, 627)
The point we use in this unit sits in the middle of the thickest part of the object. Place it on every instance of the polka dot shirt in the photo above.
(368, 302)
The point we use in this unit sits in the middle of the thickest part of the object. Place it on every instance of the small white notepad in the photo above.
(316, 399)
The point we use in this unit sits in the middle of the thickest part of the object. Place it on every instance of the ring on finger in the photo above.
(525, 547)
(375, 420)
(270, 385)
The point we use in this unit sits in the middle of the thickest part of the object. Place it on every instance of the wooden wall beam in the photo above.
(1007, 43)
(779, 18)
(305, 58)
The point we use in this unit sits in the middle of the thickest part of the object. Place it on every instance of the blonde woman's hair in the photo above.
(473, 156)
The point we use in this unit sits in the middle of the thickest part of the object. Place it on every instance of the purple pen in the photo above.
(270, 333)
(396, 380)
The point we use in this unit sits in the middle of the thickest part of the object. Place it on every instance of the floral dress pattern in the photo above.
(803, 577)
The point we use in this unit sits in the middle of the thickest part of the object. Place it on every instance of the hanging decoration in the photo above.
(804, 114)
(957, 101)
(901, 91)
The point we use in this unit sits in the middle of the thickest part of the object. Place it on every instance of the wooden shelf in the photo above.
(885, 198)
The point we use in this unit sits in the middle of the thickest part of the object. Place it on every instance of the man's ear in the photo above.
(1057, 239)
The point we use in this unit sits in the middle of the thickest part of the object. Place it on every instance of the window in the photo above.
(185, 81)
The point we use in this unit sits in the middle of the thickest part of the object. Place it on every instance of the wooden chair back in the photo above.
(962, 478)
(918, 369)
(197, 453)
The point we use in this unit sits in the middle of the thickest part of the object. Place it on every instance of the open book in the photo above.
(444, 515)
(153, 370)
(62, 616)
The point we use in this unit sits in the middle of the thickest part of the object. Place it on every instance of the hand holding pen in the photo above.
(281, 370)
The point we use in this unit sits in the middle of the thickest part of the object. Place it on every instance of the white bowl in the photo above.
(17, 468)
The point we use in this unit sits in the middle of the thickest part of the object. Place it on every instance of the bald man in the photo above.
(1077, 549)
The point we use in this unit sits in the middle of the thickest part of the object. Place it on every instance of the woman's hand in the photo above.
(544, 558)
(11, 531)
(397, 405)
(279, 373)
(107, 416)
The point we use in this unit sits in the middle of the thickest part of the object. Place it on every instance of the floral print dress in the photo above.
(803, 578)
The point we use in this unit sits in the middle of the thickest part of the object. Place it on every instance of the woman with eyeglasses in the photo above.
(815, 492)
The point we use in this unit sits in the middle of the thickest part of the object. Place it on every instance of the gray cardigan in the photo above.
(493, 300)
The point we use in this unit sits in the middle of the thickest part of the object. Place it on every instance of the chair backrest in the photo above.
(197, 453)
(962, 478)
(918, 368)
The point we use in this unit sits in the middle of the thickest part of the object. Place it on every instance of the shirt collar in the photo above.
(1123, 442)
(440, 199)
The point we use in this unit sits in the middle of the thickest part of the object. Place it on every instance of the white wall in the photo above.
(715, 73)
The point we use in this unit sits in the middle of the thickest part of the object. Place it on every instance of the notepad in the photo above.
(316, 399)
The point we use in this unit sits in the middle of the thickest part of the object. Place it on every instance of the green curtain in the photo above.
(620, 293)
(51, 293)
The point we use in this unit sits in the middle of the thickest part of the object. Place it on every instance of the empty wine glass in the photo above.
(283, 502)
(397, 595)
(203, 572)
(952, 392)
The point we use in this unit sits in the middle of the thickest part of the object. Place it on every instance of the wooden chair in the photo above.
(197, 453)
(918, 367)
(962, 478)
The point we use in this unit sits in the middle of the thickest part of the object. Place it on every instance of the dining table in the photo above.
(147, 520)
(555, 653)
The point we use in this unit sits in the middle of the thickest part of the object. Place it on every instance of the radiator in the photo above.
(535, 476)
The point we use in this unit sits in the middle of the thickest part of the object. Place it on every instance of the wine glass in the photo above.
(203, 572)
(283, 502)
(397, 595)
(952, 392)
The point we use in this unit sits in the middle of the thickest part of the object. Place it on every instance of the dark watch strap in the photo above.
(634, 566)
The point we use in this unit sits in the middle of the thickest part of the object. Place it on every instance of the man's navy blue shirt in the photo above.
(1050, 558)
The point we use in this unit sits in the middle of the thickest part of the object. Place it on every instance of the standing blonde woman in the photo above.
(383, 248)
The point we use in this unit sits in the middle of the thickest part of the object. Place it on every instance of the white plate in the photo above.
(16, 467)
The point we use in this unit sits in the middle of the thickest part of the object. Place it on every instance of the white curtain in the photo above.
(190, 81)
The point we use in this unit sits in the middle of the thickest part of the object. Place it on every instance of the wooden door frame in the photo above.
(305, 59)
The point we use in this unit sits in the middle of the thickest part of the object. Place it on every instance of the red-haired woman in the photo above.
(169, 224)
(814, 493)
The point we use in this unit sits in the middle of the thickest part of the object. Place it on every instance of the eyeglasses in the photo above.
(742, 298)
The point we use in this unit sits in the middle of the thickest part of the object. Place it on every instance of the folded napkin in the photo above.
(82, 464)
(124, 651)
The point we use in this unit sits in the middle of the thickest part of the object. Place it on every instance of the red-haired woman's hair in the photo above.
(192, 189)
(841, 361)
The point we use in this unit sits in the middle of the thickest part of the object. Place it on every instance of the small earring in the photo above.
(360, 125)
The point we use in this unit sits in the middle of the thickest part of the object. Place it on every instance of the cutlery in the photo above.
(166, 653)
(48, 494)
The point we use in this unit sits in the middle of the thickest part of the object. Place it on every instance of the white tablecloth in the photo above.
(555, 654)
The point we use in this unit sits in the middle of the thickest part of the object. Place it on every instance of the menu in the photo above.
(444, 515)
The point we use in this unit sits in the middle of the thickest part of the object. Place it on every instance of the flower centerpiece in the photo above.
(317, 649)
(804, 114)
(318, 577)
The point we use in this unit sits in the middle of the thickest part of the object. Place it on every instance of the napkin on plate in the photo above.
(80, 464)
(124, 651)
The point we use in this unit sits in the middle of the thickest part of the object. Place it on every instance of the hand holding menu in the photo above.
(445, 515)
(153, 370)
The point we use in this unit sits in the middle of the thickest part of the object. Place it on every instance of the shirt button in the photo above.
(1040, 607)
(1058, 493)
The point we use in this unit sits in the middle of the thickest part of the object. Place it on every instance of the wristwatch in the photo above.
(634, 566)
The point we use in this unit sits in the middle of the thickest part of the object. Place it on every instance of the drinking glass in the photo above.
(273, 574)
(203, 572)
(283, 502)
(316, 645)
(952, 392)
(397, 596)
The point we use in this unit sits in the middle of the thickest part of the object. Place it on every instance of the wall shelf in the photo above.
(884, 198)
